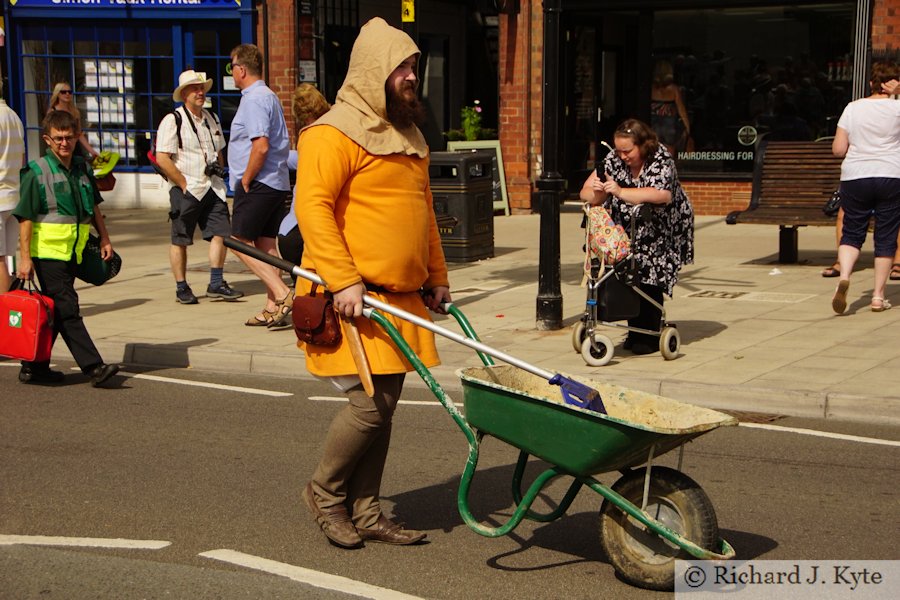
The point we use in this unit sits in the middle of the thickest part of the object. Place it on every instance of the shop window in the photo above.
(750, 73)
(122, 77)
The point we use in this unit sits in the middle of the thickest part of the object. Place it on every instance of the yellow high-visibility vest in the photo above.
(56, 235)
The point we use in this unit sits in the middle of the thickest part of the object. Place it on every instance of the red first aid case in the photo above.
(26, 324)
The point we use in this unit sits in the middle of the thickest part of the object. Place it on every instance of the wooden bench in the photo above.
(791, 183)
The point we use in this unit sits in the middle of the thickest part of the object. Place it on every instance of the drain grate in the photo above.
(716, 294)
(751, 417)
(776, 297)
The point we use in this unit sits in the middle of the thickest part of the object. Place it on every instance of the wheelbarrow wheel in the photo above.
(638, 555)
(578, 332)
(598, 351)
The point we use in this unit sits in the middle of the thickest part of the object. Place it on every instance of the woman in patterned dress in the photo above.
(642, 171)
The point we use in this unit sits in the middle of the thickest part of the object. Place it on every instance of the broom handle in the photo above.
(391, 310)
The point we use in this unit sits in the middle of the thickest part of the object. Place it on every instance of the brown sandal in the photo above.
(895, 272)
(283, 308)
(832, 271)
(839, 302)
(265, 318)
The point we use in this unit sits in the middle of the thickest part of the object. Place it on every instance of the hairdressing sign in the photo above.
(125, 3)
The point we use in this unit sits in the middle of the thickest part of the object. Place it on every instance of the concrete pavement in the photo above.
(756, 335)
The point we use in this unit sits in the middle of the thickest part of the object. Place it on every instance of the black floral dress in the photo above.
(666, 241)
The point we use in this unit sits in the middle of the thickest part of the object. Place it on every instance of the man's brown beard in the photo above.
(404, 111)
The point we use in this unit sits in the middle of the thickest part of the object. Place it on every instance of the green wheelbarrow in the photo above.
(649, 518)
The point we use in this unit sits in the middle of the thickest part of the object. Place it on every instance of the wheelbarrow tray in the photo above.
(527, 412)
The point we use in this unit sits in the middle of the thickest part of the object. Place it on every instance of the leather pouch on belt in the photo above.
(315, 321)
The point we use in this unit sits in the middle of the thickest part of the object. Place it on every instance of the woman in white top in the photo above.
(868, 138)
(63, 98)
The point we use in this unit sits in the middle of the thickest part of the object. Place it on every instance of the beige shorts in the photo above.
(9, 233)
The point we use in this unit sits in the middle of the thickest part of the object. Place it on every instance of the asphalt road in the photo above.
(213, 474)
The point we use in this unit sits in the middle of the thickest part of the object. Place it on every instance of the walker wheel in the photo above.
(669, 343)
(578, 333)
(640, 556)
(597, 352)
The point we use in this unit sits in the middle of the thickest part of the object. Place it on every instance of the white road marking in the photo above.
(50, 540)
(797, 430)
(410, 402)
(825, 434)
(217, 386)
(307, 576)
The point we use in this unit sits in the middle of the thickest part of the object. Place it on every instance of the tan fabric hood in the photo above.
(360, 110)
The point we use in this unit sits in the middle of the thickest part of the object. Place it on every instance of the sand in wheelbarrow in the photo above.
(633, 406)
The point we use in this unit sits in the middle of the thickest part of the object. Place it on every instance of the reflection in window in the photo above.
(783, 72)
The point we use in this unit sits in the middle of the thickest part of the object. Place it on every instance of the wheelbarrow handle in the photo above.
(389, 309)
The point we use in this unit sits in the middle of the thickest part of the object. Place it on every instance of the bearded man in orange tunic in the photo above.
(364, 206)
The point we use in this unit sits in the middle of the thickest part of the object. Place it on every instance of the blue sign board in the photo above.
(150, 4)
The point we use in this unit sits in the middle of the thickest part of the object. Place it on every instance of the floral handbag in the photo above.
(605, 240)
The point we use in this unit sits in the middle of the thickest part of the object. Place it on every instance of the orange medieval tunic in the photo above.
(368, 218)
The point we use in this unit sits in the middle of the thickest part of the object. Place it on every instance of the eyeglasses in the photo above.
(59, 139)
(65, 91)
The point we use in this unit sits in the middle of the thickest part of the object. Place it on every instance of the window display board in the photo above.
(109, 75)
(122, 59)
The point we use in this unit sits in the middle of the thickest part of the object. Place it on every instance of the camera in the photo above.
(215, 169)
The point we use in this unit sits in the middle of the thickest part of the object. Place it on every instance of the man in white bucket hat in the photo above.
(189, 146)
(191, 77)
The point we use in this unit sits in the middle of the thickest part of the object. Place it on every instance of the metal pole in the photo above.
(550, 186)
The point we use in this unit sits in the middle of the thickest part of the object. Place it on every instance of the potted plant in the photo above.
(471, 126)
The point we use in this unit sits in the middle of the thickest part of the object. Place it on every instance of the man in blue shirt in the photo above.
(257, 162)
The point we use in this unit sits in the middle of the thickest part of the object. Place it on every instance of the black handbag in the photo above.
(93, 269)
(617, 301)
(833, 205)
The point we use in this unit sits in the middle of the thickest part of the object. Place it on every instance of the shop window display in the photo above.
(122, 78)
(781, 73)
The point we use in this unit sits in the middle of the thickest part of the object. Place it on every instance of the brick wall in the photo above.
(885, 24)
(282, 59)
(718, 197)
(515, 112)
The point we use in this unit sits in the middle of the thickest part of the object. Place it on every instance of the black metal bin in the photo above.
(462, 187)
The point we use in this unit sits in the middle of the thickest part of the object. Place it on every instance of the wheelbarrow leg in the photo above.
(521, 510)
(559, 511)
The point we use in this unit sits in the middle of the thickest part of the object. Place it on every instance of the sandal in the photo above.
(283, 310)
(835, 271)
(879, 304)
(265, 318)
(839, 302)
(895, 272)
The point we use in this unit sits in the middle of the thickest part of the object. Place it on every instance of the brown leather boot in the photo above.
(388, 532)
(334, 521)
